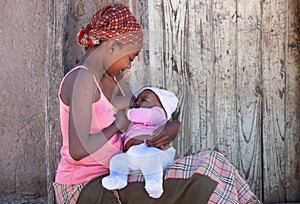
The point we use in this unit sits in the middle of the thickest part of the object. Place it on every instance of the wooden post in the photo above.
(56, 25)
(274, 97)
(249, 92)
(292, 62)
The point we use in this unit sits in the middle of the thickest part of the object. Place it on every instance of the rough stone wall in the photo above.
(22, 99)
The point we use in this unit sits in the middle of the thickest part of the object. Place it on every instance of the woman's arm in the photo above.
(81, 142)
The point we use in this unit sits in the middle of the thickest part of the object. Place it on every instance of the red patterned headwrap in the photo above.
(111, 22)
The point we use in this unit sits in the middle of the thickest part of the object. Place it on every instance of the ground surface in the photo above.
(22, 199)
(37, 199)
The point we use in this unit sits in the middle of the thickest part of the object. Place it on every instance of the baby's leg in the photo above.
(154, 184)
(151, 161)
(152, 169)
(119, 170)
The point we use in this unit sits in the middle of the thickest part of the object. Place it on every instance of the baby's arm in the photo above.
(147, 116)
(132, 142)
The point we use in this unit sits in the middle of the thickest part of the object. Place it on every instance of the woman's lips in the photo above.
(122, 72)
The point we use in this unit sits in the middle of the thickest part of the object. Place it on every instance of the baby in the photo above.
(154, 108)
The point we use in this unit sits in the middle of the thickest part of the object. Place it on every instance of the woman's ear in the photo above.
(112, 46)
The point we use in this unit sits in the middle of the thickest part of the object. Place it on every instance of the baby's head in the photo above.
(149, 97)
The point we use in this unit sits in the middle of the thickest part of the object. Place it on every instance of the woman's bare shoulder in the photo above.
(79, 76)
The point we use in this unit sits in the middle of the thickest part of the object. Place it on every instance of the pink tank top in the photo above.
(73, 172)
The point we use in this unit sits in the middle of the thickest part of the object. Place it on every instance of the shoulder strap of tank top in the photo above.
(78, 67)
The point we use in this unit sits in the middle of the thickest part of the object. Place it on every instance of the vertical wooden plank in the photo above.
(224, 28)
(249, 96)
(177, 72)
(274, 99)
(187, 54)
(156, 40)
(56, 24)
(168, 25)
(200, 65)
(138, 76)
(292, 143)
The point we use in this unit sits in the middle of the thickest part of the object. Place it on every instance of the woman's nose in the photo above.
(129, 65)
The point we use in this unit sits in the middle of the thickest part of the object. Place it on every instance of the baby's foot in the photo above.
(113, 182)
(154, 188)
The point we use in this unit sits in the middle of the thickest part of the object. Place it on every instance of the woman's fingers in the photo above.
(160, 140)
(159, 131)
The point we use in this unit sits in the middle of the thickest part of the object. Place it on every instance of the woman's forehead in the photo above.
(132, 48)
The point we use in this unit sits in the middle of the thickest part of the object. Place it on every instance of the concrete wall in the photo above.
(22, 96)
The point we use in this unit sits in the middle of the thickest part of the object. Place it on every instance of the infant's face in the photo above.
(148, 99)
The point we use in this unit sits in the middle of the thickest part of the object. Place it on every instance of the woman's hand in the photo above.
(121, 121)
(162, 136)
(159, 138)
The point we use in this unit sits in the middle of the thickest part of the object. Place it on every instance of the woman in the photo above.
(91, 127)
(90, 123)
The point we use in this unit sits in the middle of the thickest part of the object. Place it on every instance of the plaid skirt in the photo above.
(202, 177)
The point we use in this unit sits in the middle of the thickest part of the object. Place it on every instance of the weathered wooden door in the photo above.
(235, 66)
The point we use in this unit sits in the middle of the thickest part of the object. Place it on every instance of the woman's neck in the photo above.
(93, 62)
(108, 86)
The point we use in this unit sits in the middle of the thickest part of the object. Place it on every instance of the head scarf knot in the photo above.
(111, 22)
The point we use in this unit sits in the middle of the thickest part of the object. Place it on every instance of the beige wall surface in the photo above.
(22, 96)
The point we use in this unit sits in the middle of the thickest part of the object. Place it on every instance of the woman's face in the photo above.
(148, 99)
(123, 58)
